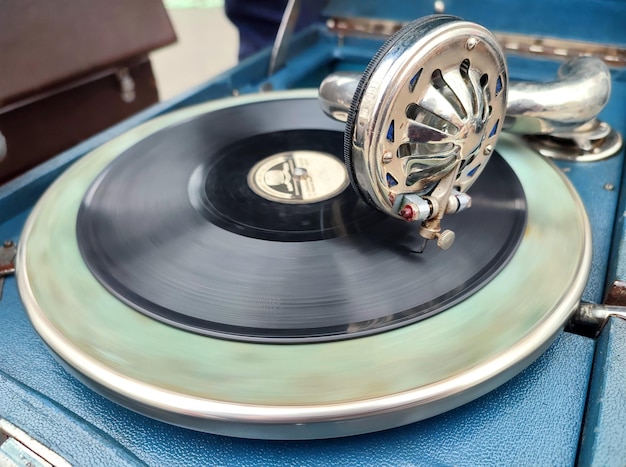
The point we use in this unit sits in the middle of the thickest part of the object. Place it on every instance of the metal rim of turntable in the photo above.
(303, 391)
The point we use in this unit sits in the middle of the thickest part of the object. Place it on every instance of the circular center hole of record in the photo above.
(174, 229)
(298, 177)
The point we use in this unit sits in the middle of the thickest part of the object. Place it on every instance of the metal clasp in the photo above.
(18, 449)
(589, 318)
(127, 85)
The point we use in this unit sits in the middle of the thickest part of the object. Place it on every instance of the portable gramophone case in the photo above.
(397, 238)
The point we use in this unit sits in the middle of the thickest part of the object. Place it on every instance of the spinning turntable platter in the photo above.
(310, 390)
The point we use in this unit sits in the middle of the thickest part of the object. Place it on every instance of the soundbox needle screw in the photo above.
(407, 213)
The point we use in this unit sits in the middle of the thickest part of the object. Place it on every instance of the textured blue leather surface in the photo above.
(604, 435)
(80, 443)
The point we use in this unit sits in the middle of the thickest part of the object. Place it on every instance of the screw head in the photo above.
(387, 157)
(609, 187)
(407, 213)
(488, 150)
(445, 239)
(471, 43)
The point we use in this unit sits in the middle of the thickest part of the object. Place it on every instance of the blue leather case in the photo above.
(541, 417)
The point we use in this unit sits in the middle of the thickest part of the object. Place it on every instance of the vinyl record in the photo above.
(190, 227)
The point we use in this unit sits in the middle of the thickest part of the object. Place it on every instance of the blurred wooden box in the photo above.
(71, 69)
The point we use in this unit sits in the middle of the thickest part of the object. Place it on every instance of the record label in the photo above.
(298, 177)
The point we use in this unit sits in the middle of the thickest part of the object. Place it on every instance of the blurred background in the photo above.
(203, 31)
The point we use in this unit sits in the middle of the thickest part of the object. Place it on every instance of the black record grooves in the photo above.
(172, 228)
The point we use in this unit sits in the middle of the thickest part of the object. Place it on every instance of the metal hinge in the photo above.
(520, 44)
(127, 85)
(18, 449)
(589, 318)
(7, 261)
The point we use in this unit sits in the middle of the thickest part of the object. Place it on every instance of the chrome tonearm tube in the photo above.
(424, 118)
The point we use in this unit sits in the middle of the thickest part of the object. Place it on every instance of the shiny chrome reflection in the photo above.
(562, 106)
